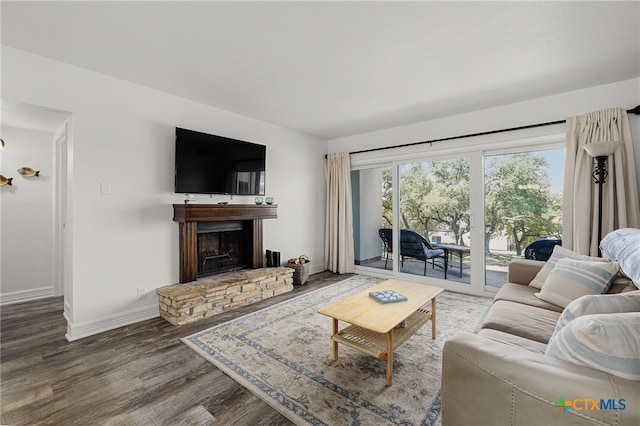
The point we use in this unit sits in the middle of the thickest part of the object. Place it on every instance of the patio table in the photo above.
(461, 251)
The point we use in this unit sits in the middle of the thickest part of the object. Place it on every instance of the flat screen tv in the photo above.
(210, 164)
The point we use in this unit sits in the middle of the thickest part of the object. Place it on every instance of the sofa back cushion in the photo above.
(559, 252)
(525, 295)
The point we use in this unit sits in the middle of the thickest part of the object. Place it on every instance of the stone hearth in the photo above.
(205, 297)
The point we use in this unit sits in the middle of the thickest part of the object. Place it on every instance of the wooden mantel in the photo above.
(188, 216)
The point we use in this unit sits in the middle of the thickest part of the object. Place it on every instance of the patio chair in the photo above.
(416, 246)
(385, 236)
(541, 249)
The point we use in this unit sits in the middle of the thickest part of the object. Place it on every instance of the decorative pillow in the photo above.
(605, 342)
(430, 253)
(623, 245)
(599, 304)
(621, 284)
(570, 279)
(559, 252)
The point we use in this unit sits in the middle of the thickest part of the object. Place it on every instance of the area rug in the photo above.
(283, 354)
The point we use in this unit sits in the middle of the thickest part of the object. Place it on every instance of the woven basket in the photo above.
(300, 270)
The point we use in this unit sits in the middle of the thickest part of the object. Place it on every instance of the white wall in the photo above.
(370, 202)
(122, 137)
(624, 94)
(26, 220)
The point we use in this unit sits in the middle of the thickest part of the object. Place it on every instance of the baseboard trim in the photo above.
(81, 330)
(316, 268)
(26, 295)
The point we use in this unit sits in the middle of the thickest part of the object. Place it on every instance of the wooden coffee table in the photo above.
(377, 329)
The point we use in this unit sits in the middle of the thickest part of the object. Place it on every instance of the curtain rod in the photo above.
(635, 110)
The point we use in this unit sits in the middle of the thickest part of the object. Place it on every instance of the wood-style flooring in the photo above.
(135, 375)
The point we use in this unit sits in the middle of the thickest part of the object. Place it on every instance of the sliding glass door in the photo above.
(457, 219)
(434, 219)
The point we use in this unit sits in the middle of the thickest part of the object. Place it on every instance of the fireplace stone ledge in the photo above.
(189, 302)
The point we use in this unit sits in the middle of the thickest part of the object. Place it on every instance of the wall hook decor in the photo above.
(1, 143)
(5, 181)
(28, 172)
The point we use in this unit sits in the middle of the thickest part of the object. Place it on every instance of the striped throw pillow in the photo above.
(570, 279)
(605, 342)
(559, 252)
(599, 304)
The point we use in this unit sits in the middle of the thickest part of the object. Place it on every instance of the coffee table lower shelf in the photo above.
(375, 344)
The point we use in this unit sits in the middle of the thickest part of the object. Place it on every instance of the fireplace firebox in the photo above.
(222, 247)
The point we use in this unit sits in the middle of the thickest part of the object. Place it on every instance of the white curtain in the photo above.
(338, 240)
(620, 205)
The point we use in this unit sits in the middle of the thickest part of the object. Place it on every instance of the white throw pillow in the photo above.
(605, 342)
(570, 279)
(559, 252)
(599, 304)
(623, 246)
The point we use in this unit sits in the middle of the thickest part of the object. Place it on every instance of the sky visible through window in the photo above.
(555, 158)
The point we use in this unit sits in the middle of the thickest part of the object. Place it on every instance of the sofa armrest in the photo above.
(523, 271)
(485, 382)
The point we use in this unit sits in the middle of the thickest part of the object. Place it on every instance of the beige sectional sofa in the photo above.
(502, 376)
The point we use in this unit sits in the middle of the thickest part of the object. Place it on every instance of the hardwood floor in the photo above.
(135, 375)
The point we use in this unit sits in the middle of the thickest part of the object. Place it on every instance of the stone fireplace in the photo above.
(217, 238)
(221, 262)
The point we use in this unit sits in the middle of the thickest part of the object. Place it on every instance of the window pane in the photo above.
(523, 203)
(434, 205)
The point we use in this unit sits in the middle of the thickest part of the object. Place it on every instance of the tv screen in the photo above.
(210, 164)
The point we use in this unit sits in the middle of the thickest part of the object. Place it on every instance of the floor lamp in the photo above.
(600, 151)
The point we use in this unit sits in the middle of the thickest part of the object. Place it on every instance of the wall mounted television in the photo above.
(210, 164)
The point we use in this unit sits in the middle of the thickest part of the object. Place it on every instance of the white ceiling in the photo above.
(334, 69)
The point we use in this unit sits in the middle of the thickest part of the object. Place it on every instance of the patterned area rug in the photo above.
(283, 354)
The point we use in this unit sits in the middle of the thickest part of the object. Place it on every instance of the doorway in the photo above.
(33, 260)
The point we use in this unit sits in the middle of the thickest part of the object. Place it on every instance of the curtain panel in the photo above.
(620, 205)
(338, 245)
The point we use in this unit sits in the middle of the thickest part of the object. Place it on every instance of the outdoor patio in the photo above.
(495, 275)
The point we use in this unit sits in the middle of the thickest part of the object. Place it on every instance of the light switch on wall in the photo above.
(105, 188)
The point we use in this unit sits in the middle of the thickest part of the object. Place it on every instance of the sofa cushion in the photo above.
(623, 245)
(599, 304)
(605, 342)
(512, 340)
(526, 321)
(570, 279)
(524, 294)
(523, 271)
(559, 252)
